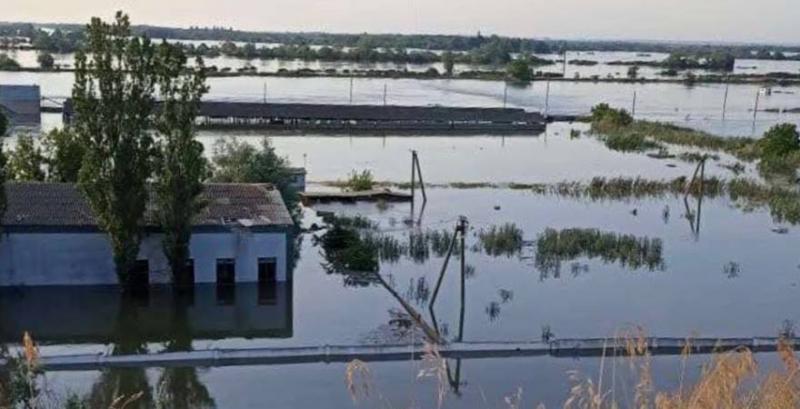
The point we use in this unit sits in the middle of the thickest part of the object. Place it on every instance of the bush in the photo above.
(3, 123)
(629, 142)
(605, 118)
(359, 182)
(780, 141)
(519, 70)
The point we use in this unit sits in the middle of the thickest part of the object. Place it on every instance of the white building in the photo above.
(50, 237)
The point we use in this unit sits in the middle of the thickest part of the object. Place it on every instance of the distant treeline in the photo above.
(418, 41)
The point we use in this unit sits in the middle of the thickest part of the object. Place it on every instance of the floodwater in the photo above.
(698, 107)
(712, 268)
(553, 156)
(723, 279)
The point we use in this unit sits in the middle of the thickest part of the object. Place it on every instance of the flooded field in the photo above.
(698, 107)
(713, 278)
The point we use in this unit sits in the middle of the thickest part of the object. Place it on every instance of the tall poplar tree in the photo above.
(115, 80)
(180, 167)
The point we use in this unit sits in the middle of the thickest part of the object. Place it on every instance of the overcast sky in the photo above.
(704, 20)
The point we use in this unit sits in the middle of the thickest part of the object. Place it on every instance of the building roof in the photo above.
(22, 103)
(57, 206)
(362, 112)
(381, 113)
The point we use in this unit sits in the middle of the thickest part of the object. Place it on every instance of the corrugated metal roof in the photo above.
(61, 205)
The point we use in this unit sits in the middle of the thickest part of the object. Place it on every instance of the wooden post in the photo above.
(725, 101)
(755, 109)
(463, 228)
(415, 163)
(351, 90)
(564, 69)
(444, 268)
(384, 94)
(547, 100)
(413, 178)
(505, 94)
(633, 105)
(265, 92)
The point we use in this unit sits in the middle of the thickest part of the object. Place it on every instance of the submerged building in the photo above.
(21, 104)
(50, 236)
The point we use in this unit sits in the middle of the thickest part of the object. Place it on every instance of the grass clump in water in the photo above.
(360, 181)
(501, 240)
(629, 142)
(553, 247)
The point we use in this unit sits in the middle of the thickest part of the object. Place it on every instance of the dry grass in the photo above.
(729, 380)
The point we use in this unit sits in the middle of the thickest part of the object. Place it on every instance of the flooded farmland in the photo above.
(540, 264)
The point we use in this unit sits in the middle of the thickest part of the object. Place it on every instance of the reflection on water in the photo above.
(71, 315)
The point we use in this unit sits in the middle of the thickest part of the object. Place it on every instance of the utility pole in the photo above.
(633, 105)
(755, 109)
(547, 100)
(725, 100)
(564, 69)
(384, 94)
(462, 225)
(351, 90)
(505, 94)
(265, 92)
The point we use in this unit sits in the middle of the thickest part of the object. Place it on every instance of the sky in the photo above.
(775, 21)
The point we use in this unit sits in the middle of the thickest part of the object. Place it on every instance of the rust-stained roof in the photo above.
(61, 205)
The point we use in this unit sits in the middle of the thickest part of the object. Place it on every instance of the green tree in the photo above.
(519, 70)
(633, 72)
(3, 123)
(3, 177)
(46, 60)
(64, 152)
(7, 63)
(449, 62)
(780, 141)
(237, 162)
(180, 167)
(115, 79)
(25, 161)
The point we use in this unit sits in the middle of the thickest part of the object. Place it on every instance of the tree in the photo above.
(519, 70)
(64, 152)
(46, 60)
(25, 161)
(237, 162)
(449, 62)
(3, 123)
(8, 64)
(180, 167)
(2, 183)
(633, 72)
(780, 141)
(115, 78)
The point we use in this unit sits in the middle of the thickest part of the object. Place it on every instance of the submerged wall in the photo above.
(85, 258)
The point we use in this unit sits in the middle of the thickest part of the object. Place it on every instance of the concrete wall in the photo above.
(84, 258)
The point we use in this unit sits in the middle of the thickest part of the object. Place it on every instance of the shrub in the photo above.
(629, 142)
(360, 181)
(780, 141)
(605, 118)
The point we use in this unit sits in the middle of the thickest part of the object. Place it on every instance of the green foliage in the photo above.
(449, 62)
(240, 162)
(115, 79)
(629, 142)
(360, 181)
(3, 123)
(633, 72)
(45, 60)
(3, 177)
(25, 161)
(553, 247)
(7, 63)
(64, 151)
(604, 118)
(519, 70)
(180, 167)
(501, 240)
(779, 142)
(348, 252)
